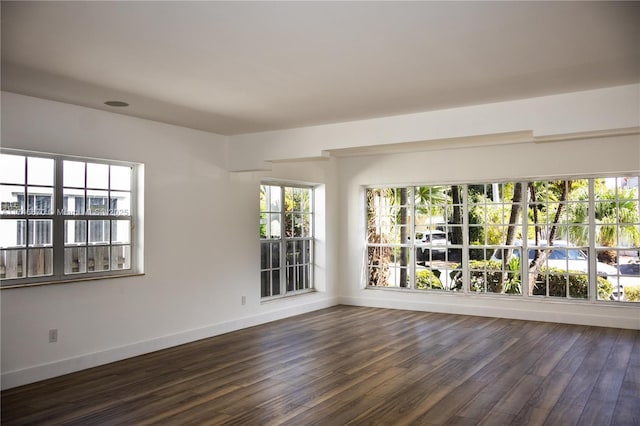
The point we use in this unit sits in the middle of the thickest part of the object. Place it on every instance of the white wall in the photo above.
(201, 246)
(592, 110)
(476, 165)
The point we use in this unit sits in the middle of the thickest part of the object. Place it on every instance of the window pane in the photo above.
(273, 227)
(12, 199)
(73, 174)
(307, 252)
(73, 202)
(292, 255)
(98, 258)
(40, 171)
(275, 255)
(120, 178)
(97, 202)
(275, 198)
(121, 231)
(264, 195)
(98, 232)
(264, 256)
(13, 233)
(75, 260)
(97, 176)
(263, 225)
(40, 262)
(12, 263)
(75, 232)
(275, 282)
(121, 257)
(40, 232)
(120, 204)
(302, 225)
(40, 200)
(12, 169)
(265, 283)
(297, 199)
(291, 278)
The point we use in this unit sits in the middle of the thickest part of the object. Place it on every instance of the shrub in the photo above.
(486, 275)
(632, 293)
(427, 279)
(578, 284)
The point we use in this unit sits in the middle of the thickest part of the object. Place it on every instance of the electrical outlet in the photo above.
(244, 300)
(53, 335)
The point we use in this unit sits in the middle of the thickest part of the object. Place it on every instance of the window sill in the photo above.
(517, 297)
(287, 296)
(70, 280)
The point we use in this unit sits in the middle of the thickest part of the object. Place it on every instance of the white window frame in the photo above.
(524, 248)
(281, 269)
(59, 215)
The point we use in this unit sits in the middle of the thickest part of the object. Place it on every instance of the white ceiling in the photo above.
(241, 67)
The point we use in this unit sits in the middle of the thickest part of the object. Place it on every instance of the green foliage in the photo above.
(486, 275)
(632, 293)
(427, 279)
(578, 284)
(513, 285)
(605, 288)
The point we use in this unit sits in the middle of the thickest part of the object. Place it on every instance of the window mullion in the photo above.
(592, 253)
(524, 256)
(58, 221)
(283, 243)
(466, 275)
(412, 236)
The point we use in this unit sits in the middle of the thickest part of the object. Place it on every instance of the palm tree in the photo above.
(616, 214)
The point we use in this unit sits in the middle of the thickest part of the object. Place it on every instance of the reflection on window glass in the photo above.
(99, 232)
(13, 264)
(40, 232)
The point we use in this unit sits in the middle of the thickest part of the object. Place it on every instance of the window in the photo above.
(64, 218)
(581, 237)
(413, 238)
(286, 239)
(495, 227)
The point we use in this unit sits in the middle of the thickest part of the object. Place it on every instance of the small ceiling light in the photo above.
(116, 104)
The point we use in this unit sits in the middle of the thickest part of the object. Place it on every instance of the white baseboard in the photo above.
(36, 373)
(564, 313)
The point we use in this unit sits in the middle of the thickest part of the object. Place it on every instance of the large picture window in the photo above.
(286, 239)
(581, 238)
(64, 218)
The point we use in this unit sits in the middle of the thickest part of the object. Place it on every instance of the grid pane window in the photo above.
(286, 234)
(571, 239)
(61, 217)
(617, 234)
(414, 237)
(26, 216)
(559, 238)
(495, 237)
(95, 190)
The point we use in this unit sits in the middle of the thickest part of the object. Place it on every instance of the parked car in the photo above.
(434, 240)
(569, 258)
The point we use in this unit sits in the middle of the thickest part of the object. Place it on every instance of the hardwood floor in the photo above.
(353, 365)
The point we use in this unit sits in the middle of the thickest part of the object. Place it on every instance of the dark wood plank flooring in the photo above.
(353, 365)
